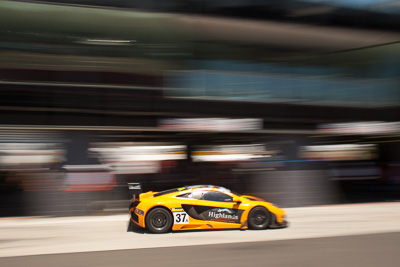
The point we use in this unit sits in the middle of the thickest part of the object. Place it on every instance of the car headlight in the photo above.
(139, 212)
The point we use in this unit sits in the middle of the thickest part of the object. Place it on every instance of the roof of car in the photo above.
(184, 188)
(205, 186)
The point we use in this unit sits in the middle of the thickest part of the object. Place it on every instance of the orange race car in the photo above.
(201, 207)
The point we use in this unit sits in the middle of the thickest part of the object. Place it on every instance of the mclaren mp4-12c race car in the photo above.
(201, 207)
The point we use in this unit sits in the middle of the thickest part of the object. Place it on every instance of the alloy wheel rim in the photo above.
(159, 220)
(259, 218)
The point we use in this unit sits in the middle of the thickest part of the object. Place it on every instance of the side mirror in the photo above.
(236, 199)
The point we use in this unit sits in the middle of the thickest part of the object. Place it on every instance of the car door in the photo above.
(215, 206)
(183, 204)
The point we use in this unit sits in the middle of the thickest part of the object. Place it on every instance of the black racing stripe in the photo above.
(190, 209)
(210, 213)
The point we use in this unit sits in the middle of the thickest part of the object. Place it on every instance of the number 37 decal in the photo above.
(181, 217)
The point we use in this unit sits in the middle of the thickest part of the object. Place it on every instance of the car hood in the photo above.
(146, 195)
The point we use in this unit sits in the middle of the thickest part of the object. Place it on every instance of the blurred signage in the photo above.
(131, 153)
(90, 181)
(339, 152)
(231, 152)
(28, 155)
(372, 127)
(211, 124)
(136, 167)
(130, 158)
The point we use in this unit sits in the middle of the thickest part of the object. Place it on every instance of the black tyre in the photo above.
(159, 220)
(259, 218)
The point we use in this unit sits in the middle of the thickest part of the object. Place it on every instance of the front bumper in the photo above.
(133, 215)
(276, 225)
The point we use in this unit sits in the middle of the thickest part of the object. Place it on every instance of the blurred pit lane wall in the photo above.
(296, 188)
(58, 173)
(55, 174)
(29, 176)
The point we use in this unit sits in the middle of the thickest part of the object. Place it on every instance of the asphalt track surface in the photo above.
(363, 250)
(341, 235)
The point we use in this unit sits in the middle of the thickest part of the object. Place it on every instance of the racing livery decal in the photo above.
(181, 217)
(208, 213)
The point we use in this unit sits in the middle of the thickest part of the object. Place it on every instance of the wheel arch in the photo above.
(259, 206)
(152, 208)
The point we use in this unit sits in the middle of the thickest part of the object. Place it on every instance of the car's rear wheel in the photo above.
(159, 220)
(259, 218)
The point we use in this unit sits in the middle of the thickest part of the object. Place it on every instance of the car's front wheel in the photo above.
(259, 218)
(159, 220)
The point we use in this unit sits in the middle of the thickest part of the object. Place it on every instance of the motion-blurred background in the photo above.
(297, 102)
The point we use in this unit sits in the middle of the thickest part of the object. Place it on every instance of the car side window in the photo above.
(187, 195)
(217, 196)
(197, 194)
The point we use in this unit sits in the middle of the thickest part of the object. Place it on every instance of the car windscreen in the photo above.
(235, 193)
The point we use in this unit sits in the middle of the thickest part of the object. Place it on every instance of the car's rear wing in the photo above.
(134, 189)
